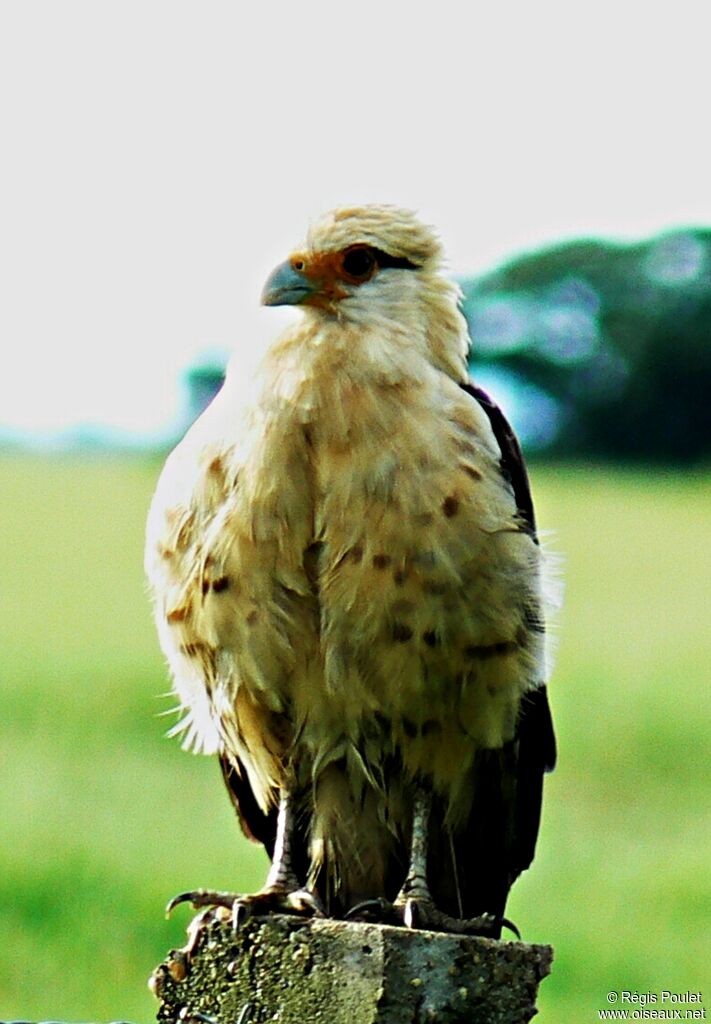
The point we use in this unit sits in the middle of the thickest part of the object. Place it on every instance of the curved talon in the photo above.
(380, 909)
(304, 900)
(417, 913)
(505, 923)
(170, 906)
(485, 924)
(421, 915)
(276, 901)
(201, 898)
(410, 914)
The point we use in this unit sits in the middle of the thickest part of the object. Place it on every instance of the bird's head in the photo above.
(375, 266)
(351, 253)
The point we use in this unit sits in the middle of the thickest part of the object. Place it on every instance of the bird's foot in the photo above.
(421, 913)
(275, 899)
(215, 905)
(375, 911)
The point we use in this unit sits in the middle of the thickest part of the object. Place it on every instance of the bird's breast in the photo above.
(424, 574)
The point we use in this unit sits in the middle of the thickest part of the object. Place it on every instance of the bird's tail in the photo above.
(355, 856)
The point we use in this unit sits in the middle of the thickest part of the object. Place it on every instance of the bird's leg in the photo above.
(414, 900)
(281, 873)
(415, 891)
(282, 884)
(414, 896)
(282, 892)
(414, 906)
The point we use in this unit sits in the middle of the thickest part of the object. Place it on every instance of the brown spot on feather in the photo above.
(434, 587)
(200, 650)
(466, 446)
(401, 632)
(180, 521)
(381, 561)
(450, 506)
(178, 614)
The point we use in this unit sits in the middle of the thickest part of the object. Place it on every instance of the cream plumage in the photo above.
(348, 590)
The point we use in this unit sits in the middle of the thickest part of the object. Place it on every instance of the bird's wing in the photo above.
(195, 488)
(513, 466)
(500, 838)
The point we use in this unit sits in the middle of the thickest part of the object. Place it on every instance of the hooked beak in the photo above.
(287, 287)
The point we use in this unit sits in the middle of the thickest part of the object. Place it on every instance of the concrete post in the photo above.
(332, 972)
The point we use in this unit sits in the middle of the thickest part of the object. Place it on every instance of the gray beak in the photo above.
(287, 287)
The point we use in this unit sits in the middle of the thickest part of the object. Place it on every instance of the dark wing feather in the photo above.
(513, 466)
(536, 756)
(499, 840)
(256, 825)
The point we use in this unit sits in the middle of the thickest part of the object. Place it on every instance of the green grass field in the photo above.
(102, 819)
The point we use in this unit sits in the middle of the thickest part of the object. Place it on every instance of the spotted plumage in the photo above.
(348, 585)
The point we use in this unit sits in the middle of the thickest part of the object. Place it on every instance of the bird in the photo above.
(352, 598)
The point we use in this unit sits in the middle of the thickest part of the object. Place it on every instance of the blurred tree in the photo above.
(616, 338)
(202, 382)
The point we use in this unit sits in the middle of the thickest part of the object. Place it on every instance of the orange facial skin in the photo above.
(327, 272)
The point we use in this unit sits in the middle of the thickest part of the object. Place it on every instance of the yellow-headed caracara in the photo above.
(347, 586)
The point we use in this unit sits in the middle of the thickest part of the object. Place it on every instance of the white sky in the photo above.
(159, 158)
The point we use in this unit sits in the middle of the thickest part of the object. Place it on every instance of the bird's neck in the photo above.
(324, 353)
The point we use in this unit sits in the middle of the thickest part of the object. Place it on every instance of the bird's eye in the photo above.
(358, 262)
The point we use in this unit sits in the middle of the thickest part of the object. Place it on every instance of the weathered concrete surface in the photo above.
(331, 972)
